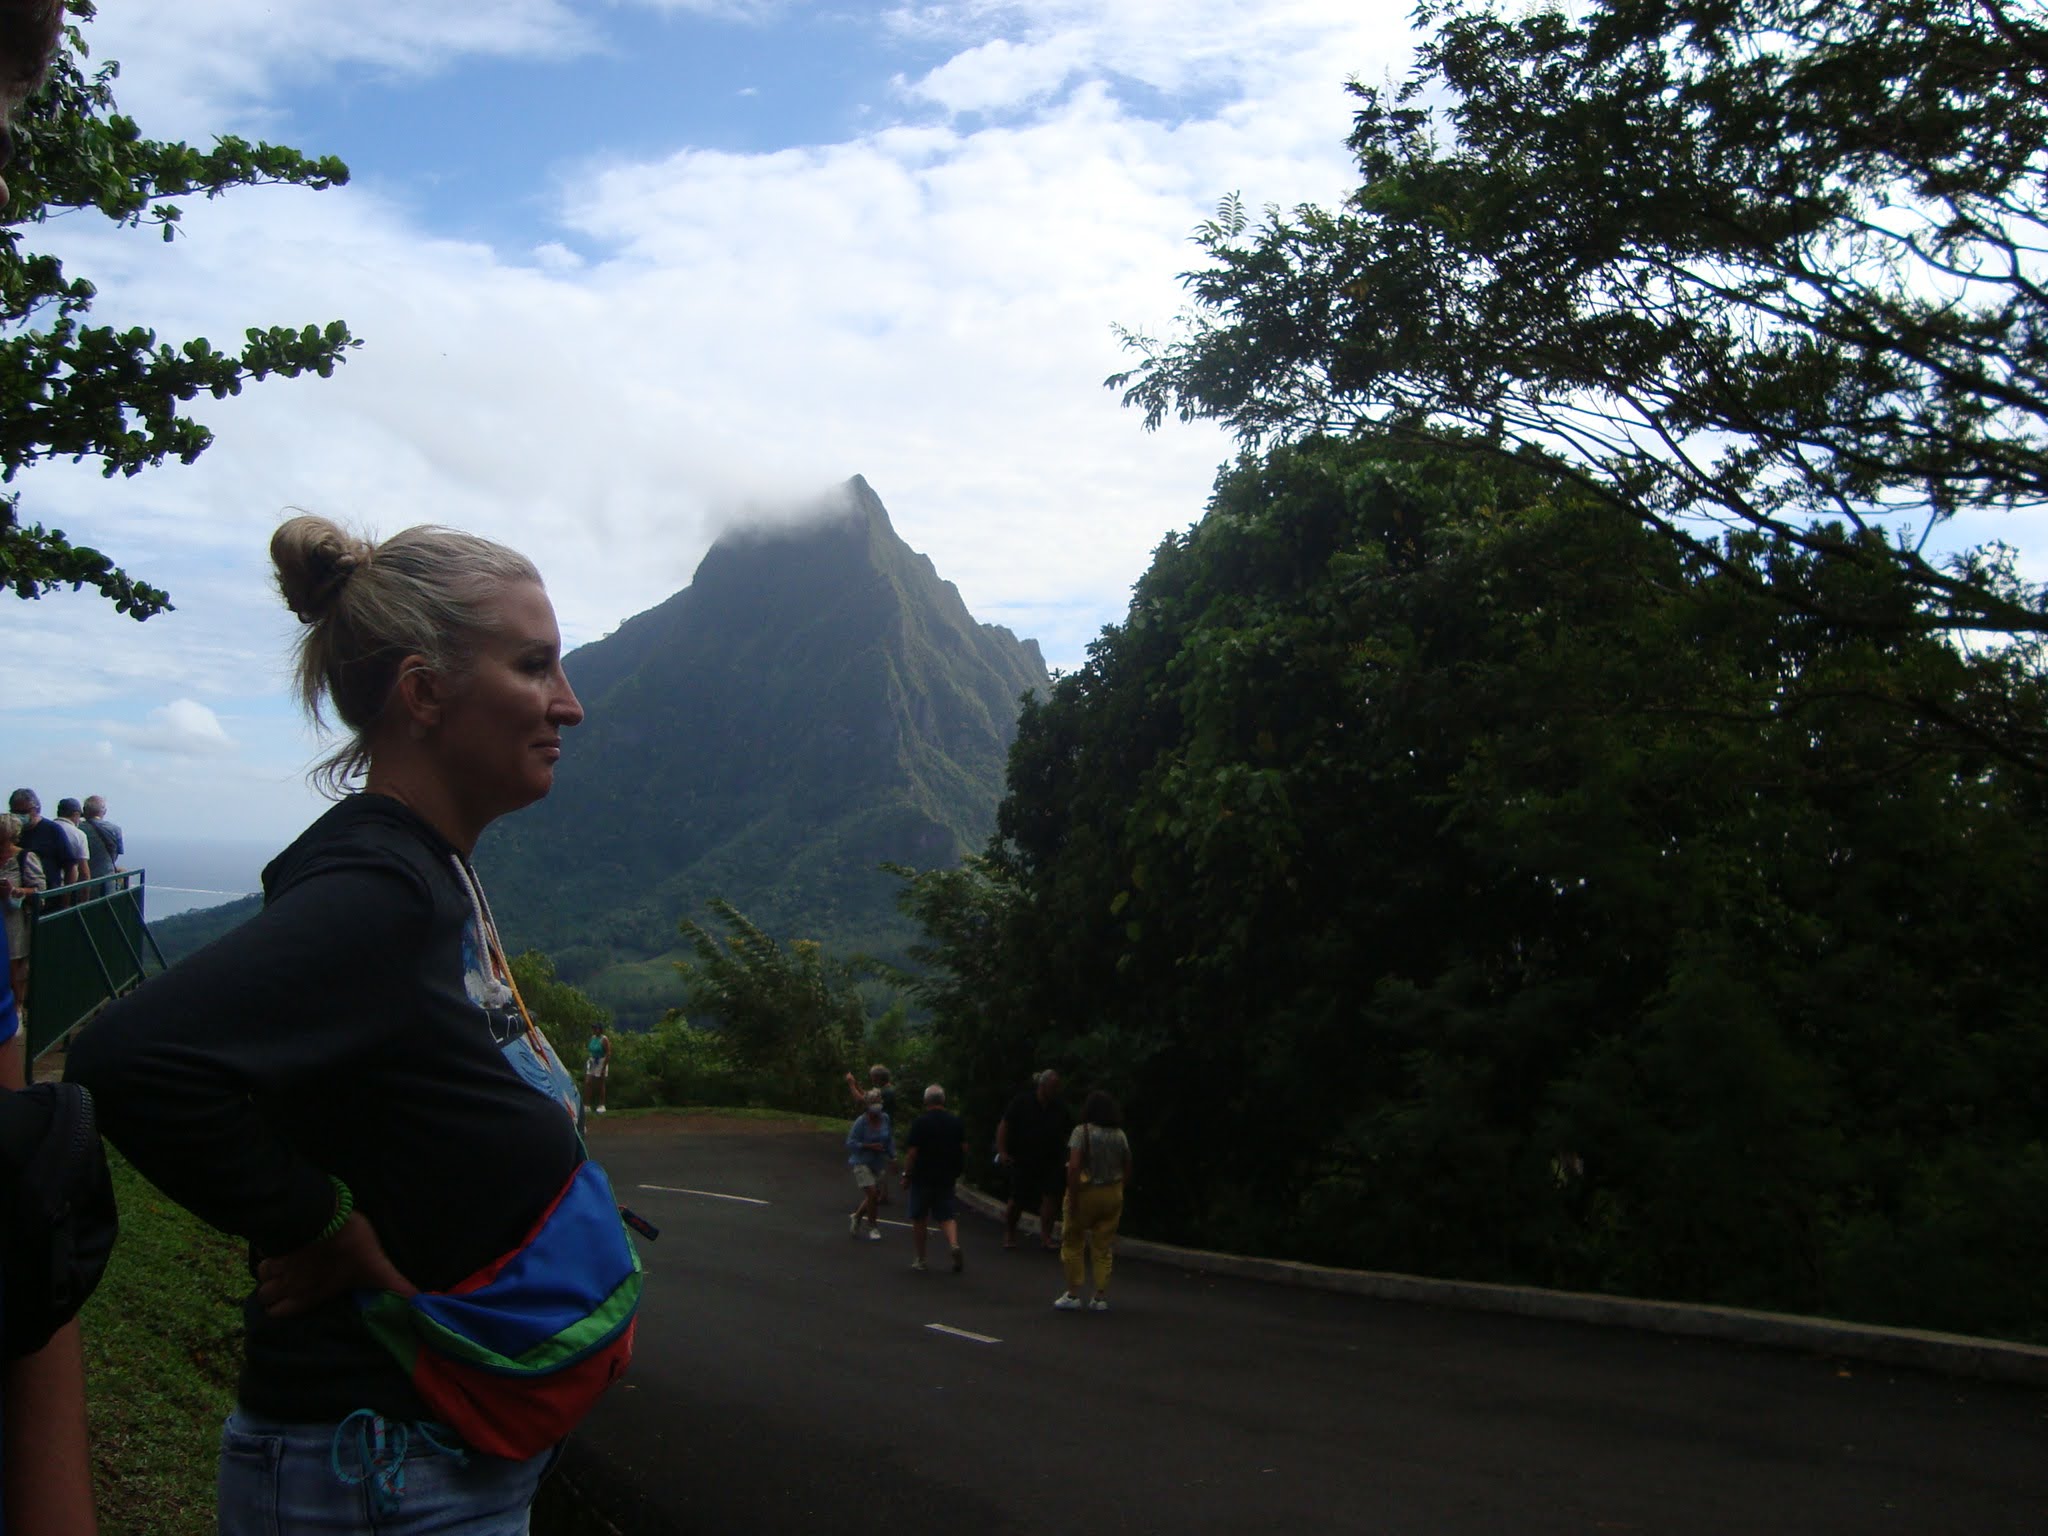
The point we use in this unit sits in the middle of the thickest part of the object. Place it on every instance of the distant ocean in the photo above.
(184, 874)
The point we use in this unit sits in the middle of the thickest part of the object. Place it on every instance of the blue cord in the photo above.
(380, 1448)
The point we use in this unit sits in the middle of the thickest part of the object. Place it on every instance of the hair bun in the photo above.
(315, 558)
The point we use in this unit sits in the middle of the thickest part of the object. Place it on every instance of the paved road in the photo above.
(789, 1380)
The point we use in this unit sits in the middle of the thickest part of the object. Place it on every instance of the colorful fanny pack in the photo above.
(513, 1357)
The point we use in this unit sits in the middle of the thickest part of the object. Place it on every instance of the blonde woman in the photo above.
(347, 1080)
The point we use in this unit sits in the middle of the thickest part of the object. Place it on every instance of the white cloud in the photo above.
(553, 256)
(219, 65)
(1001, 74)
(1013, 52)
(183, 728)
(925, 305)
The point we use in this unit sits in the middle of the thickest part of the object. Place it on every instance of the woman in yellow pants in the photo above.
(1098, 1168)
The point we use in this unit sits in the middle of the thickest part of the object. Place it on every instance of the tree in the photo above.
(564, 1015)
(986, 1026)
(1531, 903)
(78, 391)
(1766, 264)
(792, 1015)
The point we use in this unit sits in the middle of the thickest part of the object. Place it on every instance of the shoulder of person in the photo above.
(368, 835)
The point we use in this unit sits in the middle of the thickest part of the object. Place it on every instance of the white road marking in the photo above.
(708, 1194)
(962, 1333)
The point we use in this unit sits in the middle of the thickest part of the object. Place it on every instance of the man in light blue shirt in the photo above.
(868, 1150)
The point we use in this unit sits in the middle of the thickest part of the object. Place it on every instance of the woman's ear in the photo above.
(420, 695)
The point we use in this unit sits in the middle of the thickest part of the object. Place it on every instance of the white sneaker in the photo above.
(919, 1265)
(874, 1234)
(1068, 1303)
(853, 1225)
(1097, 1304)
(600, 1109)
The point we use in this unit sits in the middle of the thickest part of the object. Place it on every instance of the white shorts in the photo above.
(597, 1069)
(864, 1176)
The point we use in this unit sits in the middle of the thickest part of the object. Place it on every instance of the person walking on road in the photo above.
(1030, 1143)
(878, 1082)
(933, 1157)
(597, 1066)
(1098, 1168)
(867, 1154)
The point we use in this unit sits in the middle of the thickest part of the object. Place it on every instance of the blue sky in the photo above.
(653, 84)
(627, 269)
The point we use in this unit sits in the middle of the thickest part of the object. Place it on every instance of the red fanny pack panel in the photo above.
(517, 1425)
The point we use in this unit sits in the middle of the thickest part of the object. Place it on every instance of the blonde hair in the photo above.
(366, 607)
(10, 827)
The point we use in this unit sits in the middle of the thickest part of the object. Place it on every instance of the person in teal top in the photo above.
(597, 1067)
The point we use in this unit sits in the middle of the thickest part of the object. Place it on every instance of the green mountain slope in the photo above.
(179, 936)
(816, 701)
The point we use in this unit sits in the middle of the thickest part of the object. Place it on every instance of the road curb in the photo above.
(1949, 1353)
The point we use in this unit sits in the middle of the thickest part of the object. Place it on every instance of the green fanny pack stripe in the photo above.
(402, 1330)
(569, 1286)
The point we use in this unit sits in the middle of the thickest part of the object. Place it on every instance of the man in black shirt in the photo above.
(46, 840)
(1031, 1142)
(933, 1159)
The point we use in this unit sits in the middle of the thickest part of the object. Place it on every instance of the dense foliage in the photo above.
(675, 1063)
(1772, 264)
(792, 1013)
(115, 394)
(1452, 877)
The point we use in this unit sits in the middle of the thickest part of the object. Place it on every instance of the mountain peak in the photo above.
(851, 503)
(816, 701)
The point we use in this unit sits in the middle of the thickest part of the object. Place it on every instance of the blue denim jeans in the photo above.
(367, 1474)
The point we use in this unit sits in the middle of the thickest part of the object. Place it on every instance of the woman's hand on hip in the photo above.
(352, 1259)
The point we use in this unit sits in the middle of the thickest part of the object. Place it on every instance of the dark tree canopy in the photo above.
(1452, 877)
(69, 389)
(1775, 264)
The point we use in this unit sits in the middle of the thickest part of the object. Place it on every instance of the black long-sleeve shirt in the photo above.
(354, 1028)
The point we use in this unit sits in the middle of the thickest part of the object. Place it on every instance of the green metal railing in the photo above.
(87, 943)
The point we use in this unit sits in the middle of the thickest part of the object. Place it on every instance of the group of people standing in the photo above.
(39, 854)
(1074, 1174)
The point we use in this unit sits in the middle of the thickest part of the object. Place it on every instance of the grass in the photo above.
(162, 1346)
